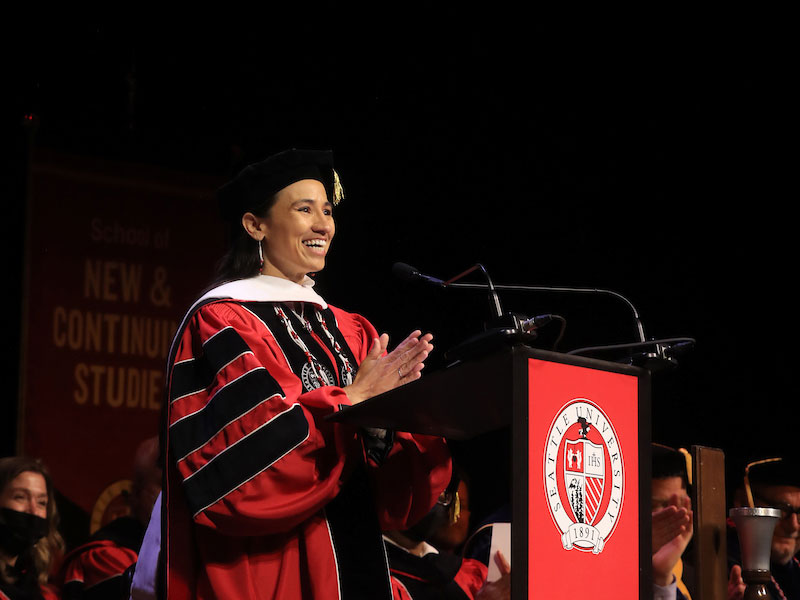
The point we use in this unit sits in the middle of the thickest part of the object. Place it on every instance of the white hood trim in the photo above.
(265, 288)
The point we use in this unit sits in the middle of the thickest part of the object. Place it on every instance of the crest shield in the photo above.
(584, 478)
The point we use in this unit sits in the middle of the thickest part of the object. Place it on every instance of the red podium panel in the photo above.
(583, 486)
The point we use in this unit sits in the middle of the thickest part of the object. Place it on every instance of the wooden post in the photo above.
(708, 501)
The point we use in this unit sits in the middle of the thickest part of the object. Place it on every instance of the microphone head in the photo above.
(404, 271)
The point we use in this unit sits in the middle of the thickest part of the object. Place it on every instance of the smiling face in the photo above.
(297, 231)
(27, 492)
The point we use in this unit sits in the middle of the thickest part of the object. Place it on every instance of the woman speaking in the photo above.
(264, 497)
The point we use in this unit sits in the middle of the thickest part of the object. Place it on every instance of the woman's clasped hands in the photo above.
(381, 372)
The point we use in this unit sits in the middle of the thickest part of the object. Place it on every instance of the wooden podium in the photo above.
(580, 432)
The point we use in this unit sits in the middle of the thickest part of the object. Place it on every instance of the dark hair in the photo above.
(52, 545)
(241, 260)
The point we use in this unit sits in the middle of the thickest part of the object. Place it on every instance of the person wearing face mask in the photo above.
(264, 498)
(424, 560)
(29, 538)
(422, 570)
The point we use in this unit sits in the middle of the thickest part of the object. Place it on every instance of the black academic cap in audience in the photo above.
(783, 470)
(669, 462)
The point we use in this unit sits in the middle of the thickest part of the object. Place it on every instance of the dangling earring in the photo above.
(260, 256)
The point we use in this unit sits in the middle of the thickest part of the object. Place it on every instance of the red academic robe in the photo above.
(265, 499)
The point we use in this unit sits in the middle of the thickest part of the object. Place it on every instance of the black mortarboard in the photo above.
(259, 181)
(669, 462)
(775, 472)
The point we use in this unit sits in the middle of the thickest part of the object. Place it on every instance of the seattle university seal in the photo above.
(584, 476)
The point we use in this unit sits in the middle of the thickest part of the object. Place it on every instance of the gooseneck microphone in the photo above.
(409, 273)
(656, 353)
(542, 288)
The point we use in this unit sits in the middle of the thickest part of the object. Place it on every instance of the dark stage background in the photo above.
(647, 156)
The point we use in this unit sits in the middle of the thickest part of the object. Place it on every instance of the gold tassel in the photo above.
(688, 458)
(747, 488)
(338, 190)
(455, 509)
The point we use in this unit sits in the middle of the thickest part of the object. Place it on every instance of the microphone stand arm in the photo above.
(535, 288)
(494, 299)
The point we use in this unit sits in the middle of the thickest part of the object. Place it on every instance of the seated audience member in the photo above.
(672, 521)
(423, 562)
(771, 483)
(418, 569)
(29, 538)
(100, 568)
